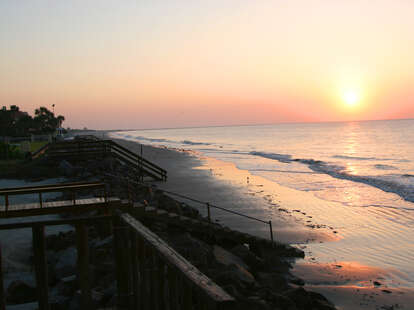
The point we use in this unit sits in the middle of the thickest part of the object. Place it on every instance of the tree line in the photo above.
(16, 123)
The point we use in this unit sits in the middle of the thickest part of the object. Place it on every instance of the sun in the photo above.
(351, 97)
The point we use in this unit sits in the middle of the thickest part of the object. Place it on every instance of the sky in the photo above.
(158, 64)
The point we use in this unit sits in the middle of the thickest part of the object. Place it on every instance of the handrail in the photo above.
(150, 273)
(207, 204)
(72, 187)
(123, 153)
(169, 262)
(138, 160)
(132, 153)
(41, 150)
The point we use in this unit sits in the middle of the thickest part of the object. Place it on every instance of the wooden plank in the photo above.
(55, 222)
(172, 288)
(171, 257)
(121, 263)
(2, 293)
(83, 275)
(161, 276)
(135, 270)
(32, 210)
(49, 188)
(40, 264)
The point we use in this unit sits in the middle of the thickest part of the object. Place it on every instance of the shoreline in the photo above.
(224, 178)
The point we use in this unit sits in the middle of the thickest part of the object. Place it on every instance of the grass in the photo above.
(34, 146)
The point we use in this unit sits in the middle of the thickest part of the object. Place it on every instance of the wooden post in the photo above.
(84, 280)
(271, 231)
(142, 275)
(187, 296)
(161, 284)
(172, 289)
(121, 252)
(6, 201)
(2, 294)
(135, 271)
(39, 249)
(40, 200)
(73, 198)
(208, 212)
(154, 280)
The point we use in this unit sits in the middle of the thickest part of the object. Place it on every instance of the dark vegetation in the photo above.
(16, 123)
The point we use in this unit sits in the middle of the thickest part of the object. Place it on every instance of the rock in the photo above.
(67, 169)
(66, 264)
(60, 241)
(248, 257)
(295, 280)
(20, 292)
(198, 252)
(235, 275)
(276, 281)
(308, 300)
(255, 303)
(226, 258)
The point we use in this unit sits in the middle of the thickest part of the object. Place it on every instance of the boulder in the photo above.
(20, 292)
(248, 256)
(198, 252)
(66, 264)
(235, 275)
(67, 169)
(308, 300)
(226, 258)
(276, 281)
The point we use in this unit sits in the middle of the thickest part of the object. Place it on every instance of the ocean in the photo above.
(358, 175)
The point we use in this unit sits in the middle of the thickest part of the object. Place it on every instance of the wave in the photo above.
(406, 191)
(385, 167)
(355, 157)
(280, 157)
(194, 143)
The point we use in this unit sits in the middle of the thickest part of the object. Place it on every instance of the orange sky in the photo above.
(110, 64)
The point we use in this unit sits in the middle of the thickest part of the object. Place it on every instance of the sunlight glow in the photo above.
(351, 97)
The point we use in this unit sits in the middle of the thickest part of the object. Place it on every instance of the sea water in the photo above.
(362, 173)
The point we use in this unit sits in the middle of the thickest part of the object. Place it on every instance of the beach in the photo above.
(351, 279)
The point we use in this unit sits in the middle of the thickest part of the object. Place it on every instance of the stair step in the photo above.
(172, 215)
(150, 209)
(161, 212)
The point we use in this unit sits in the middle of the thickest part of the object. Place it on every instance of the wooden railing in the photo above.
(150, 274)
(96, 148)
(73, 188)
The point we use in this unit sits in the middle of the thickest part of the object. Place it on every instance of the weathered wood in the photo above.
(83, 275)
(142, 274)
(50, 188)
(170, 256)
(2, 293)
(121, 253)
(187, 296)
(135, 271)
(161, 276)
(55, 222)
(154, 280)
(172, 288)
(63, 207)
(40, 264)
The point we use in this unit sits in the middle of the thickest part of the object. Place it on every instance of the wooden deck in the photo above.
(62, 206)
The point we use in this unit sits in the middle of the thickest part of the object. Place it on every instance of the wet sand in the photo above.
(298, 218)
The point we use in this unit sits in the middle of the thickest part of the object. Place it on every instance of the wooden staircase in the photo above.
(95, 148)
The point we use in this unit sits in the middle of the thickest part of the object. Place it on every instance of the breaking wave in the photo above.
(388, 183)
